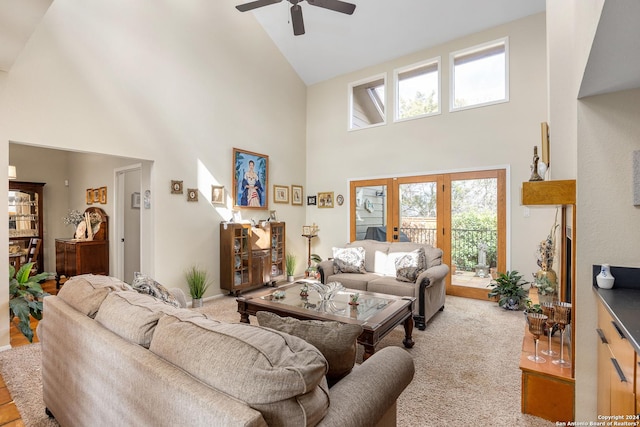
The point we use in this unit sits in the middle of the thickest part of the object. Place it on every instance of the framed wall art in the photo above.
(192, 194)
(311, 200)
(325, 200)
(103, 195)
(280, 194)
(89, 196)
(296, 195)
(176, 187)
(217, 194)
(135, 200)
(250, 182)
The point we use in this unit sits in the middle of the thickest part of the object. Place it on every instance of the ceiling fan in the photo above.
(296, 10)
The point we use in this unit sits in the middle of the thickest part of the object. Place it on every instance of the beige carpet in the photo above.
(466, 368)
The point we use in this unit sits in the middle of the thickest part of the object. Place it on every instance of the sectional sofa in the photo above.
(114, 356)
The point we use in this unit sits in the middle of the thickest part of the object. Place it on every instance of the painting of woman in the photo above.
(250, 179)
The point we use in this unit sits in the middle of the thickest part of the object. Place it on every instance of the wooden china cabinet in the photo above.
(25, 218)
(250, 256)
(77, 256)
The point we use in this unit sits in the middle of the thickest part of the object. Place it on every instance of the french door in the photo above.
(464, 214)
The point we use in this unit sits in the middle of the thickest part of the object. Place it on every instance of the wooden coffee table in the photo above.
(378, 314)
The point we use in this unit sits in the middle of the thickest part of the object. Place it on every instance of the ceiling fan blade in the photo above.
(335, 5)
(296, 20)
(255, 4)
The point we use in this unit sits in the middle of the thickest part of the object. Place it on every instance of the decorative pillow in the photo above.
(409, 266)
(348, 260)
(336, 341)
(146, 285)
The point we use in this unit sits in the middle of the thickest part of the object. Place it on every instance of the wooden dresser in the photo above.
(77, 256)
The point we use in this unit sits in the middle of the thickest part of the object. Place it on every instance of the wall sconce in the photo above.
(13, 174)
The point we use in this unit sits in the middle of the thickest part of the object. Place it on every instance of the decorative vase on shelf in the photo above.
(605, 279)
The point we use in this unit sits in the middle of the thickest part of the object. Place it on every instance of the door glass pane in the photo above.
(370, 211)
(474, 231)
(418, 213)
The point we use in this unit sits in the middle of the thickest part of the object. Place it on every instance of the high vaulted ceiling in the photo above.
(379, 30)
(334, 43)
(18, 20)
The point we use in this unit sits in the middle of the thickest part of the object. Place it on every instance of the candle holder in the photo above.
(536, 327)
(548, 310)
(562, 316)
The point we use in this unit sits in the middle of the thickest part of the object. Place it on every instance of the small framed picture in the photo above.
(325, 200)
(96, 195)
(135, 200)
(296, 195)
(311, 200)
(176, 187)
(273, 216)
(339, 199)
(280, 194)
(89, 196)
(217, 194)
(306, 230)
(192, 194)
(103, 195)
(237, 217)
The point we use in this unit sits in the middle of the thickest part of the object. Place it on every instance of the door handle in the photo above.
(122, 240)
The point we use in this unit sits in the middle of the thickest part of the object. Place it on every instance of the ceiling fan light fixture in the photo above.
(296, 11)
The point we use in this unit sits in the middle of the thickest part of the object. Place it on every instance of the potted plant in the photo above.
(25, 297)
(290, 266)
(198, 284)
(312, 271)
(508, 288)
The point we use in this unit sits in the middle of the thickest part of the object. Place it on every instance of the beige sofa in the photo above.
(113, 356)
(380, 275)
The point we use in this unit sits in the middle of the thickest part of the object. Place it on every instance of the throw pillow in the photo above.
(146, 285)
(336, 341)
(409, 266)
(348, 260)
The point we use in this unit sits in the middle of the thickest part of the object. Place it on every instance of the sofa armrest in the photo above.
(364, 396)
(326, 269)
(433, 274)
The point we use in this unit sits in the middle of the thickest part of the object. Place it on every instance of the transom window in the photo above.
(417, 90)
(367, 102)
(480, 75)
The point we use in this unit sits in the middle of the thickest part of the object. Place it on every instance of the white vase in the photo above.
(605, 279)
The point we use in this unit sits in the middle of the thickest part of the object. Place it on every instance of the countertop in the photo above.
(623, 301)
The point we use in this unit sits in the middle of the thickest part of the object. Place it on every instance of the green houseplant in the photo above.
(25, 297)
(508, 289)
(290, 265)
(198, 284)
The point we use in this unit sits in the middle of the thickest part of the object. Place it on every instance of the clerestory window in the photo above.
(367, 102)
(480, 75)
(417, 90)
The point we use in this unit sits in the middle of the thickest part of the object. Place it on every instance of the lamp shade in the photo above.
(12, 172)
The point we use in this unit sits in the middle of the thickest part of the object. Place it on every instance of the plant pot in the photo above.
(512, 304)
(290, 279)
(197, 302)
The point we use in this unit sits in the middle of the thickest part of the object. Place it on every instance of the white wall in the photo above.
(498, 135)
(571, 26)
(178, 84)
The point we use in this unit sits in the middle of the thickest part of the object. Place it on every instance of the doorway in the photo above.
(128, 184)
(464, 214)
